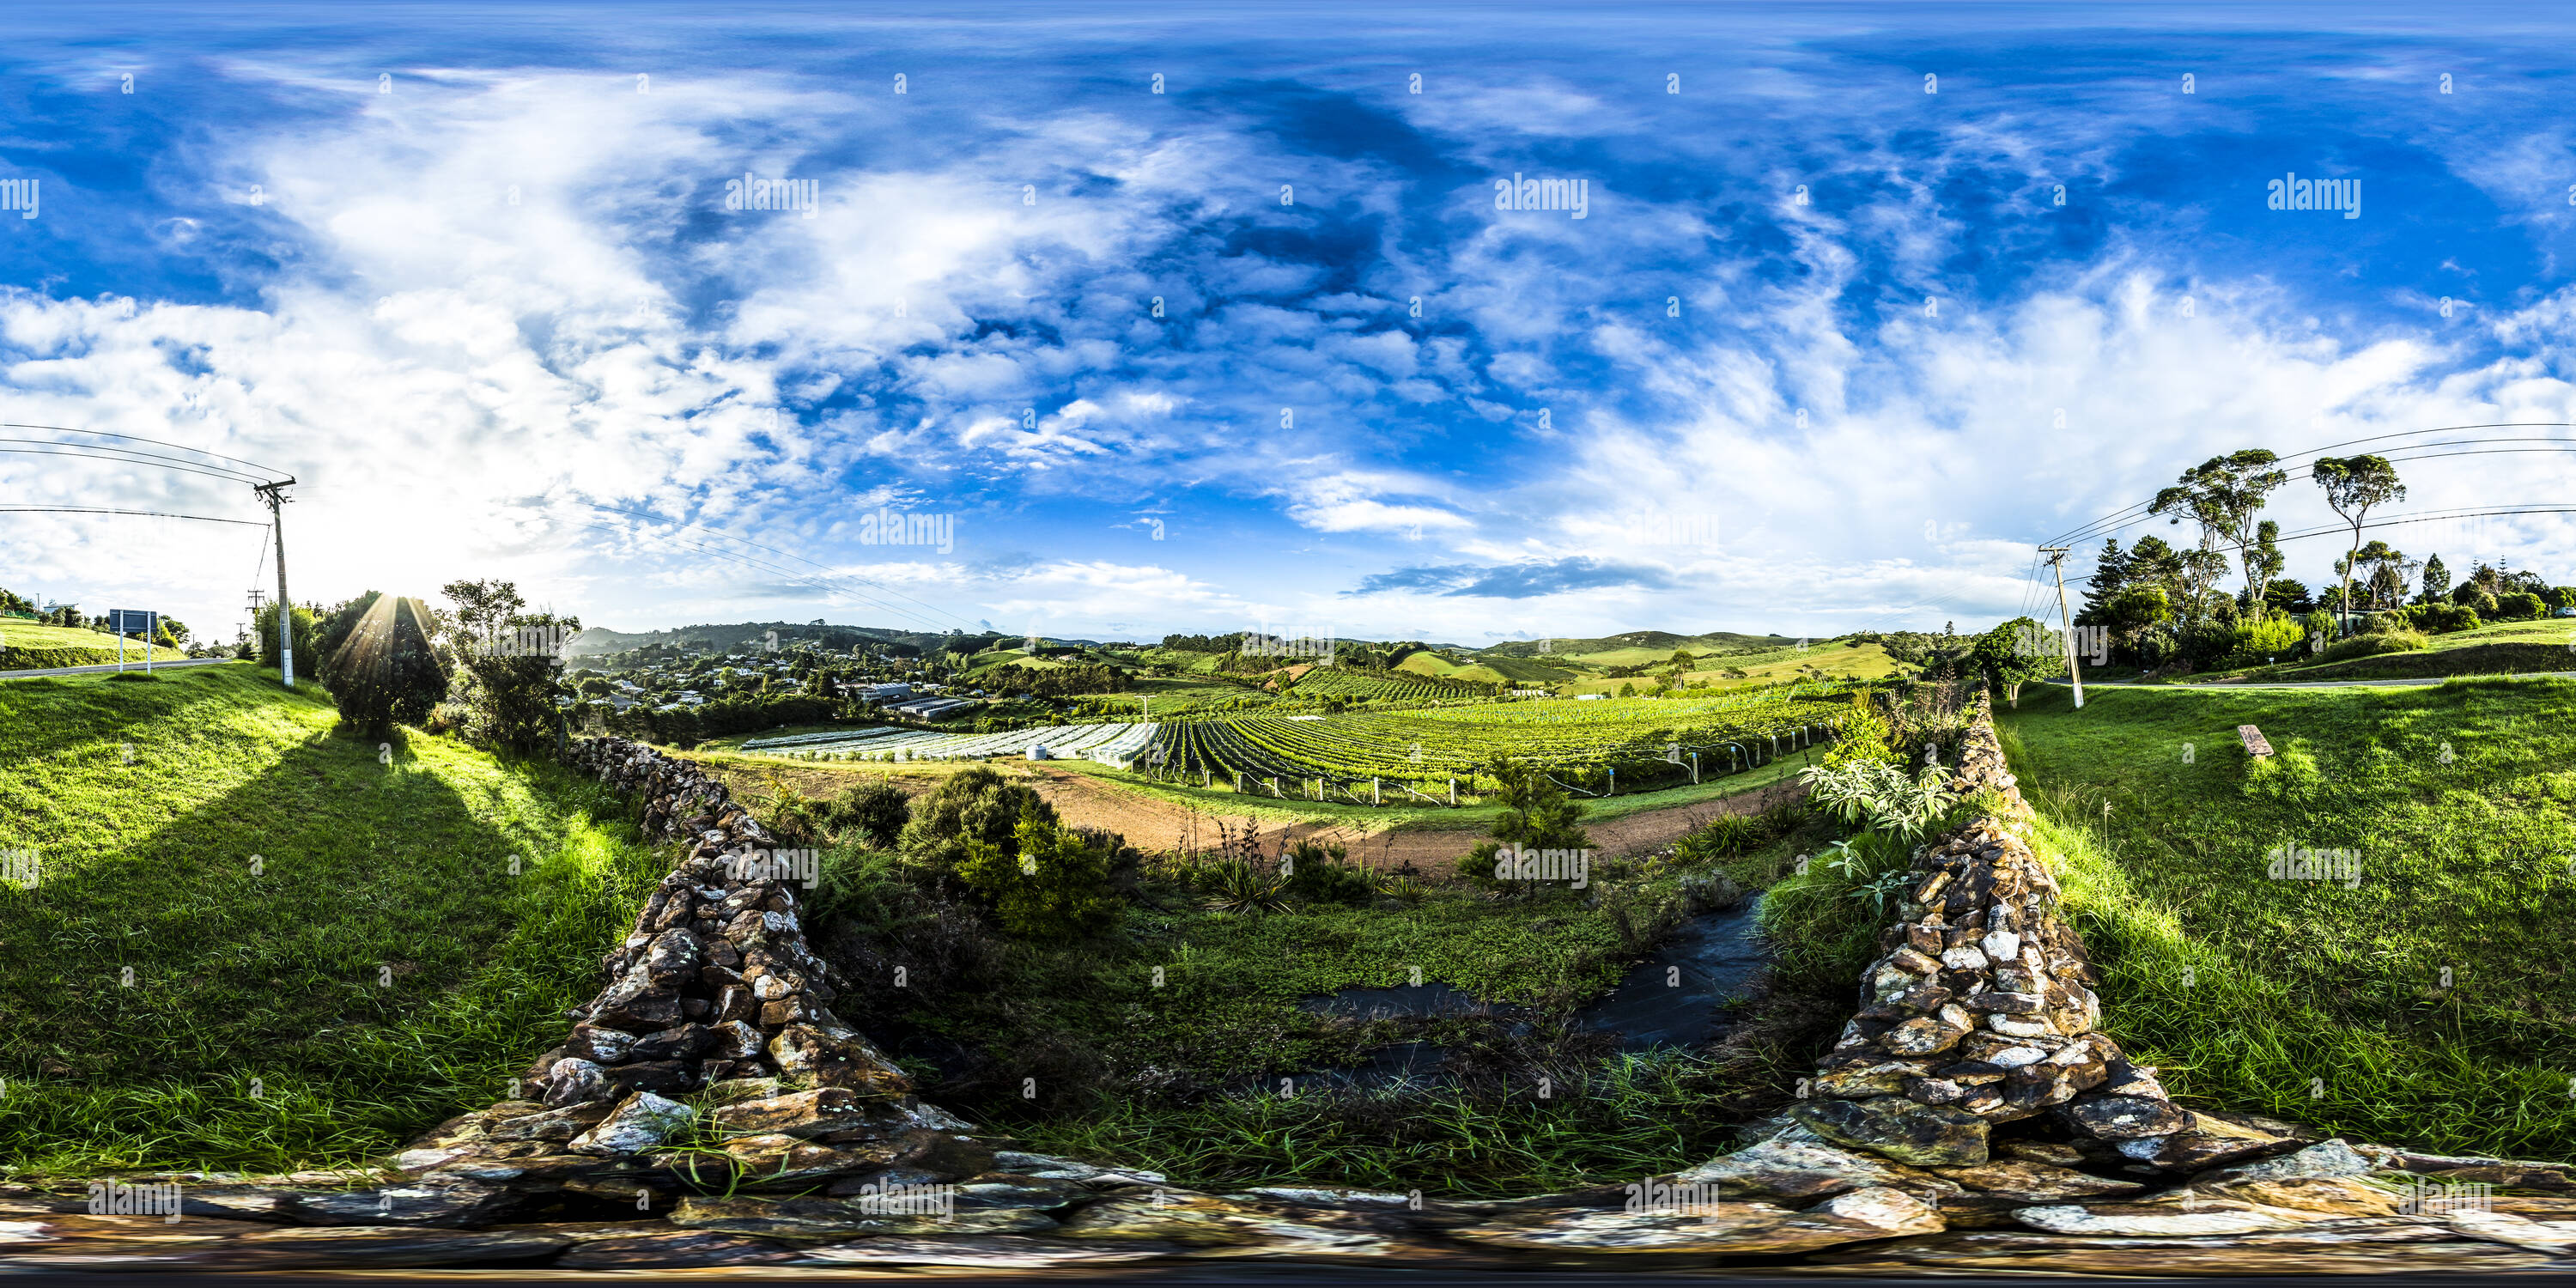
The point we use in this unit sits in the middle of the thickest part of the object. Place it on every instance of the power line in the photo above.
(100, 433)
(148, 514)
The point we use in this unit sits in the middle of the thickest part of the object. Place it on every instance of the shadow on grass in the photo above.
(331, 953)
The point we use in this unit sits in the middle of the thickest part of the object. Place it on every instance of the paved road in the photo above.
(130, 666)
(2322, 684)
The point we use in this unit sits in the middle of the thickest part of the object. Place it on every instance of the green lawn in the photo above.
(25, 646)
(2308, 999)
(2498, 648)
(381, 970)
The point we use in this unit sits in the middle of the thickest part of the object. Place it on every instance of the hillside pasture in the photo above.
(2426, 1000)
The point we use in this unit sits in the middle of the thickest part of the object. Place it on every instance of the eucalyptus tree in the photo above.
(2354, 485)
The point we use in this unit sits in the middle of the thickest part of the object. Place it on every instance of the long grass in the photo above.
(329, 949)
(2313, 1000)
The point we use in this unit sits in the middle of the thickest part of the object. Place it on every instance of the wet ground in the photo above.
(1676, 997)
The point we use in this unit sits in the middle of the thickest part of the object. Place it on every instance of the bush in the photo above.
(263, 636)
(1863, 735)
(978, 805)
(2444, 618)
(1318, 875)
(1050, 884)
(2256, 643)
(385, 671)
(2398, 641)
(2519, 606)
(877, 811)
(2476, 599)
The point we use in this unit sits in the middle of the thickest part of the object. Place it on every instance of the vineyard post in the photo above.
(1694, 769)
(1453, 791)
(1274, 786)
(1374, 797)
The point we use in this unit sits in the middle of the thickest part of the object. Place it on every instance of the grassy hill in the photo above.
(2321, 1001)
(2498, 648)
(382, 969)
(25, 646)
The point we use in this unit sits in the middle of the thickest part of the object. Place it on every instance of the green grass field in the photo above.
(381, 970)
(2498, 648)
(25, 646)
(2313, 1000)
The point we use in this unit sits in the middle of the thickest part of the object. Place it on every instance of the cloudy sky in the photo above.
(1205, 317)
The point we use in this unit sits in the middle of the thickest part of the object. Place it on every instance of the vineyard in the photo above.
(1357, 686)
(1592, 747)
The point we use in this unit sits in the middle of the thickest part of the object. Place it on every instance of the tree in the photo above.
(509, 677)
(12, 602)
(2266, 560)
(2437, 581)
(2288, 595)
(2354, 485)
(387, 671)
(2110, 577)
(1537, 815)
(1050, 883)
(2224, 494)
(2017, 653)
(302, 622)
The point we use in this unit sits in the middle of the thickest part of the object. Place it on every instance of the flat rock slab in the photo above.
(1733, 1229)
(1224, 1227)
(827, 1218)
(674, 1250)
(990, 1252)
(298, 1248)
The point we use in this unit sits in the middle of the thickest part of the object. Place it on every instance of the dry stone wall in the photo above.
(1980, 1011)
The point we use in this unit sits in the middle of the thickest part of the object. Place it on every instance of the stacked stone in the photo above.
(716, 981)
(1980, 1010)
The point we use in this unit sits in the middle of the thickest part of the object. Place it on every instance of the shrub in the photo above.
(2444, 618)
(2258, 642)
(385, 671)
(1050, 884)
(877, 811)
(1881, 796)
(1238, 886)
(1318, 875)
(2379, 623)
(1862, 735)
(2520, 606)
(2399, 641)
(1537, 815)
(978, 805)
(263, 636)
(1723, 837)
(2475, 598)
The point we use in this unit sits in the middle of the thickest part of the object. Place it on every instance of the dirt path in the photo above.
(1157, 825)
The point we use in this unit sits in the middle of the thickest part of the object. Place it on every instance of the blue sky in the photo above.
(1823, 352)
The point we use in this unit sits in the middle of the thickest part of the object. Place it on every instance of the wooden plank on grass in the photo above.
(2256, 745)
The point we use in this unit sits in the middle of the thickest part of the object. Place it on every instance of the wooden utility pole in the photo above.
(2057, 563)
(275, 495)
